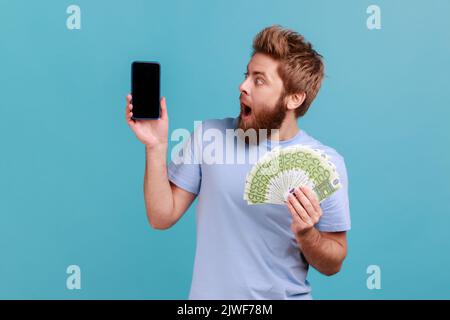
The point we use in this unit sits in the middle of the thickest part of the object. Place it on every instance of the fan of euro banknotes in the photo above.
(280, 170)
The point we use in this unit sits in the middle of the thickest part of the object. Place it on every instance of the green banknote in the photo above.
(279, 171)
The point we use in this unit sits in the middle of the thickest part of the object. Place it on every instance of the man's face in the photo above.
(262, 95)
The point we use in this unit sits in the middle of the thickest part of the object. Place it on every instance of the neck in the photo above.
(287, 130)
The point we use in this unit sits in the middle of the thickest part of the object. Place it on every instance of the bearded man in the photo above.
(251, 251)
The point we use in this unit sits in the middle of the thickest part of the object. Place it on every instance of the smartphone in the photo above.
(145, 89)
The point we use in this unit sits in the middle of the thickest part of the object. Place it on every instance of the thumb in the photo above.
(164, 115)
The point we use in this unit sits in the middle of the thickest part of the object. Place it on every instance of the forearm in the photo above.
(324, 254)
(157, 191)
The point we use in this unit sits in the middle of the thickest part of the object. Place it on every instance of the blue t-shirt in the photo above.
(246, 251)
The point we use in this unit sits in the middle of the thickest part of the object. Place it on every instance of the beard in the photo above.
(262, 118)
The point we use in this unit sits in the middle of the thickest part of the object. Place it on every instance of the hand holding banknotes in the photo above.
(304, 208)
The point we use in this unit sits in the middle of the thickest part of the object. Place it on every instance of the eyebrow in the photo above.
(259, 73)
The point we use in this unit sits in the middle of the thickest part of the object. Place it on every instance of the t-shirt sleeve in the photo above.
(184, 168)
(336, 209)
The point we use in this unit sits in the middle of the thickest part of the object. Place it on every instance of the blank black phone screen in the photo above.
(145, 83)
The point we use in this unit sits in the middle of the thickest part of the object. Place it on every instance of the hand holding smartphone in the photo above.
(145, 112)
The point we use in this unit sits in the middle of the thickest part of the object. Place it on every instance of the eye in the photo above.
(259, 81)
(245, 75)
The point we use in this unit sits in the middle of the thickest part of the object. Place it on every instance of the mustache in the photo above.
(241, 99)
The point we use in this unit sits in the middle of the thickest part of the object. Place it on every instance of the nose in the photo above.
(244, 88)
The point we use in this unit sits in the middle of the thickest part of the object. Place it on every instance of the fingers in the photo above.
(304, 200)
(307, 205)
(299, 209)
(129, 102)
(312, 198)
(296, 216)
(128, 99)
(128, 112)
(164, 115)
(304, 205)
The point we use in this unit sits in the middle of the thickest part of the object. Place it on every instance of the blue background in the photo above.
(71, 171)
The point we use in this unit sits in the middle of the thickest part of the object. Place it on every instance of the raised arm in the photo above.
(165, 202)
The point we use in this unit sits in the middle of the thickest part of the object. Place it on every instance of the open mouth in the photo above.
(246, 110)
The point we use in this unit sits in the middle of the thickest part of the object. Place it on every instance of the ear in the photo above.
(295, 100)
